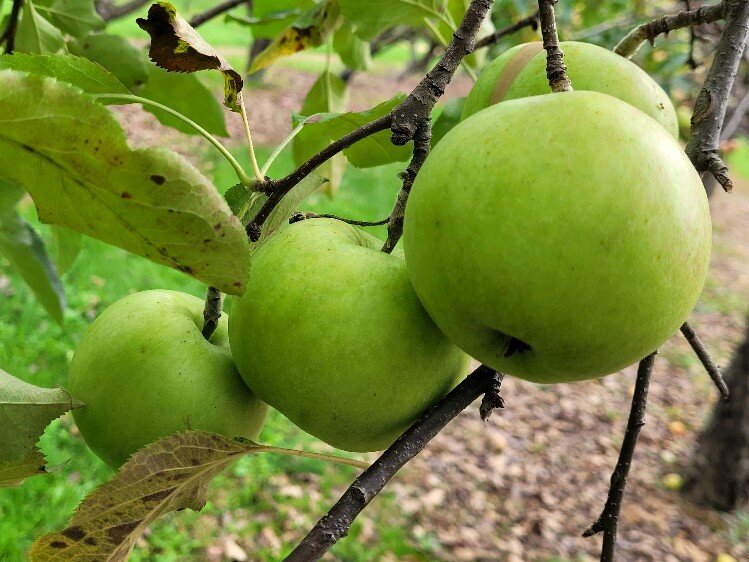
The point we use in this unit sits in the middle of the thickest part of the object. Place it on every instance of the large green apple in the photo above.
(145, 371)
(332, 335)
(558, 237)
(521, 72)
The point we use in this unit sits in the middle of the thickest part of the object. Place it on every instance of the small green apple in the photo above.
(558, 237)
(332, 335)
(521, 72)
(145, 371)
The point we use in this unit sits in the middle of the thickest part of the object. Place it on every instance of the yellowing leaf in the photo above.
(312, 29)
(176, 46)
(13, 473)
(170, 474)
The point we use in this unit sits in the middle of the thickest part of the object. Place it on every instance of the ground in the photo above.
(521, 487)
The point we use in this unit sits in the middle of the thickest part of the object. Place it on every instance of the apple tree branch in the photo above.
(710, 106)
(631, 43)
(336, 523)
(9, 34)
(404, 120)
(609, 518)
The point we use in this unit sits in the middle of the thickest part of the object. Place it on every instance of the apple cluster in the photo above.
(554, 237)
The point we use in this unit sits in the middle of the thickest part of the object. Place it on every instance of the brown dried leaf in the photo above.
(171, 474)
(176, 46)
(13, 473)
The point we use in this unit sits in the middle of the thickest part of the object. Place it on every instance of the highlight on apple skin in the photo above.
(570, 242)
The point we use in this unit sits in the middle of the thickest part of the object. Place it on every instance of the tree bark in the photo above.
(719, 474)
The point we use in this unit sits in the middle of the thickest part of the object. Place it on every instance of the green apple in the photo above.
(558, 237)
(145, 371)
(521, 72)
(332, 335)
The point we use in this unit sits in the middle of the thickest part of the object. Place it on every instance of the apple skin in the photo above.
(145, 371)
(575, 224)
(332, 335)
(590, 67)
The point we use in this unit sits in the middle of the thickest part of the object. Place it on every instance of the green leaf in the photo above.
(455, 11)
(82, 73)
(25, 410)
(170, 474)
(187, 94)
(448, 118)
(76, 17)
(375, 16)
(176, 46)
(327, 94)
(23, 247)
(355, 53)
(66, 246)
(259, 24)
(116, 54)
(375, 150)
(71, 155)
(37, 35)
(311, 29)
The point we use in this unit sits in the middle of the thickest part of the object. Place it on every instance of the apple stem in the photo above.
(707, 361)
(632, 42)
(609, 518)
(335, 525)
(214, 301)
(422, 144)
(556, 71)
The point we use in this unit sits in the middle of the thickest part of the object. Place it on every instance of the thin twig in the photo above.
(217, 10)
(710, 105)
(110, 11)
(276, 189)
(628, 46)
(422, 142)
(298, 216)
(556, 71)
(335, 525)
(731, 125)
(9, 35)
(609, 518)
(531, 21)
(212, 311)
(704, 356)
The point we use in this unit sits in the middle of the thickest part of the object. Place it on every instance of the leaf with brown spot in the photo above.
(171, 474)
(311, 29)
(176, 46)
(68, 172)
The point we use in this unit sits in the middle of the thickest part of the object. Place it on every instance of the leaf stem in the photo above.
(244, 179)
(282, 145)
(248, 134)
